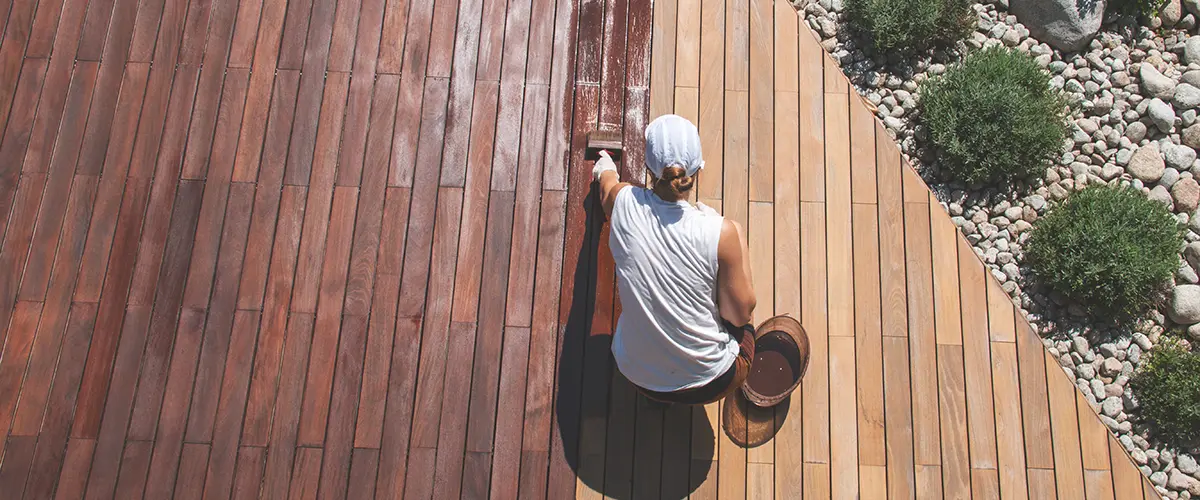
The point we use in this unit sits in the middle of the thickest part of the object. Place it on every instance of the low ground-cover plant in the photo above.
(1145, 8)
(1109, 249)
(994, 118)
(1167, 389)
(906, 26)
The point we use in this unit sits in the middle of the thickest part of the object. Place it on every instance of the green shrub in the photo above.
(1111, 250)
(911, 25)
(1146, 8)
(994, 117)
(1167, 388)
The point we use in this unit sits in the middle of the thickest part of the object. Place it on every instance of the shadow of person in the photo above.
(615, 440)
(751, 426)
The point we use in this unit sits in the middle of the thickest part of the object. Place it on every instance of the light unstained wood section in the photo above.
(875, 257)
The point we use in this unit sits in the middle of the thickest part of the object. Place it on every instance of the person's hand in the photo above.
(705, 209)
(604, 164)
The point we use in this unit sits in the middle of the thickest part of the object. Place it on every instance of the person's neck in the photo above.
(668, 197)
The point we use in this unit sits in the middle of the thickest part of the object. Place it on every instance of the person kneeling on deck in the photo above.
(682, 274)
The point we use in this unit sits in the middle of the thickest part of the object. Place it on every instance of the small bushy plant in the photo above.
(1145, 8)
(1109, 249)
(906, 26)
(994, 118)
(1167, 388)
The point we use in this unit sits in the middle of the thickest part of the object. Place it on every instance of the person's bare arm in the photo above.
(609, 184)
(735, 286)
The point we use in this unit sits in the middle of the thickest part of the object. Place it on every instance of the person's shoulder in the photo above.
(706, 210)
(624, 191)
(633, 193)
(623, 198)
(728, 246)
(730, 229)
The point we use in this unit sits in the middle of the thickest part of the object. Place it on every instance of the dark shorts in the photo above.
(721, 386)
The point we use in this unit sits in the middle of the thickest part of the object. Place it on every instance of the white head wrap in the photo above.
(672, 140)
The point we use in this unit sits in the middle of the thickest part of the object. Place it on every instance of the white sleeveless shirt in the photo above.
(669, 336)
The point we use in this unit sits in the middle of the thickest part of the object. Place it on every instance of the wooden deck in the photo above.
(344, 249)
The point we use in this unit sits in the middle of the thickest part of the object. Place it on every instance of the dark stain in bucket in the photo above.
(775, 365)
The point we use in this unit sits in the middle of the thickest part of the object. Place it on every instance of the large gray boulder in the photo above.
(1067, 25)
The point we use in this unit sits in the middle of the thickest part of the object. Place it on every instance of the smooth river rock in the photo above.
(1146, 164)
(1185, 305)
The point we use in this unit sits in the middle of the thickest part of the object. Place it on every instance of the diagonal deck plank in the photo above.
(351, 249)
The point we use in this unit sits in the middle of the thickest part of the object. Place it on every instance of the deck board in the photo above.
(270, 249)
(952, 408)
(1010, 450)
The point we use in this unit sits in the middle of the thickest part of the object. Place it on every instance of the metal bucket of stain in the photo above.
(780, 359)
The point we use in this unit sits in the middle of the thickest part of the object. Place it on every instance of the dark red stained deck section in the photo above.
(349, 249)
